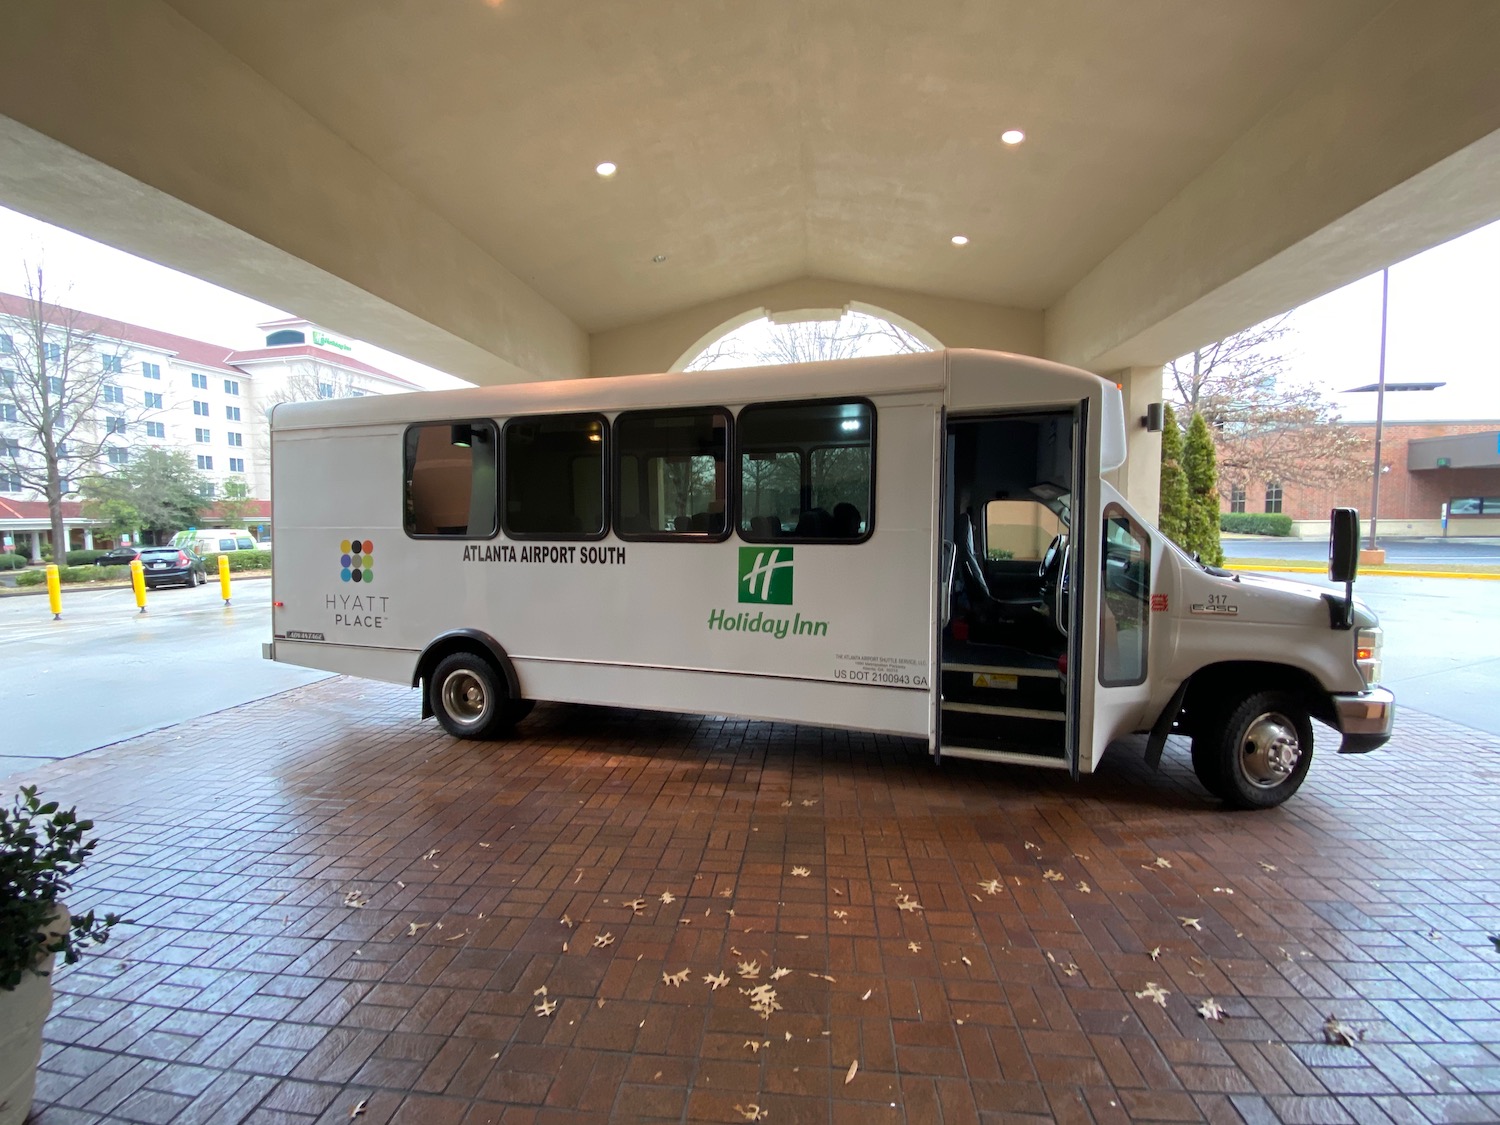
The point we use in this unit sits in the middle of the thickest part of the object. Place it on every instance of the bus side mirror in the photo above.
(1343, 544)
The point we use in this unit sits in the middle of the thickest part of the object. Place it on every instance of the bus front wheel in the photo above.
(467, 694)
(1258, 753)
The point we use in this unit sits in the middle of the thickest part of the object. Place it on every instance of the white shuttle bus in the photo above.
(919, 544)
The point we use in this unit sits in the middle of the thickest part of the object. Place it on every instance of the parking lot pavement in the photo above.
(580, 924)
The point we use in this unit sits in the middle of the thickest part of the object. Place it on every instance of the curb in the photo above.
(1376, 573)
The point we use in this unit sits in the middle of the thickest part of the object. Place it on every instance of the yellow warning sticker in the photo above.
(995, 680)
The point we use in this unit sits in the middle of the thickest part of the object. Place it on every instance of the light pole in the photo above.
(1385, 303)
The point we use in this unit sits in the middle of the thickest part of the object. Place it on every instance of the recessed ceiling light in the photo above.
(606, 169)
(659, 259)
(960, 240)
(1012, 136)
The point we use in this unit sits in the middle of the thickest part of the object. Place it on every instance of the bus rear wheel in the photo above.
(467, 694)
(1258, 754)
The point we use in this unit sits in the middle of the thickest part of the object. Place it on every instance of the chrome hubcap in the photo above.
(464, 697)
(1271, 750)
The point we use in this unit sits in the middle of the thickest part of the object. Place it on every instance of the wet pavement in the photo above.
(620, 916)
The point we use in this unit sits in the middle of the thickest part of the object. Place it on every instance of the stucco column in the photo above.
(36, 546)
(1140, 477)
(88, 539)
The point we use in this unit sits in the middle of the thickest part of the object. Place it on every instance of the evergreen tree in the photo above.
(1174, 488)
(1201, 467)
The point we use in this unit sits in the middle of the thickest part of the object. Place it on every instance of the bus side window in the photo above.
(1124, 603)
(450, 480)
(671, 480)
(807, 472)
(554, 477)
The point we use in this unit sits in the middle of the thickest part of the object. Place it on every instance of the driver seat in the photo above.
(982, 604)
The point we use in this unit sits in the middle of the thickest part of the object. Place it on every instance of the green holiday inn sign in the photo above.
(765, 577)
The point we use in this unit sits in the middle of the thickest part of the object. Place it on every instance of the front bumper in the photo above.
(1365, 719)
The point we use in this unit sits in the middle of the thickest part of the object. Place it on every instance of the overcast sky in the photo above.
(1444, 318)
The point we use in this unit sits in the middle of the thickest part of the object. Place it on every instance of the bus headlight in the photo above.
(1367, 654)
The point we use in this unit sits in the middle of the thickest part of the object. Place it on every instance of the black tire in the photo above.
(468, 695)
(1258, 752)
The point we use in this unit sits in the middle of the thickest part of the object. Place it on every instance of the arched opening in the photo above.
(760, 339)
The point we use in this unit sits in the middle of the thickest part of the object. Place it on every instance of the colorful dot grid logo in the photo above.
(356, 560)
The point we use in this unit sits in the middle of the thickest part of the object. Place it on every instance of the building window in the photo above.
(53, 353)
(118, 456)
(156, 429)
(671, 471)
(8, 380)
(151, 370)
(236, 464)
(113, 394)
(1474, 506)
(325, 390)
(232, 413)
(10, 447)
(200, 382)
(205, 461)
(1237, 498)
(114, 425)
(285, 336)
(62, 450)
(200, 408)
(7, 344)
(206, 489)
(201, 435)
(10, 482)
(54, 385)
(236, 439)
(7, 412)
(231, 386)
(153, 400)
(1273, 496)
(450, 479)
(113, 365)
(806, 472)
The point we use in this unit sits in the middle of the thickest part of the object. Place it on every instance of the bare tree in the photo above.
(853, 335)
(307, 380)
(1266, 426)
(59, 399)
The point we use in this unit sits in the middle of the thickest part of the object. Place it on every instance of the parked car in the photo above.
(166, 566)
(118, 556)
(216, 540)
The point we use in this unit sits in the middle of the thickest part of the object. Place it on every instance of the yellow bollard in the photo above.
(224, 577)
(54, 591)
(138, 580)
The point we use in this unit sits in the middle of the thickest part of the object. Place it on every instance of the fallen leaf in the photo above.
(992, 886)
(1190, 923)
(762, 1000)
(838, 892)
(1340, 1034)
(415, 928)
(809, 802)
(1267, 866)
(466, 933)
(841, 914)
(566, 921)
(400, 884)
(907, 904)
(965, 959)
(1210, 1009)
(1070, 970)
(601, 940)
(1162, 862)
(636, 905)
(786, 804)
(1156, 954)
(540, 991)
(755, 1044)
(599, 1003)
(866, 996)
(853, 1070)
(359, 1108)
(1153, 991)
(674, 979)
(751, 1112)
(1223, 890)
(432, 854)
(545, 1008)
(667, 898)
(777, 974)
(1032, 846)
(716, 982)
(1084, 887)
(1052, 876)
(749, 969)
(727, 893)
(483, 845)
(801, 872)
(914, 946)
(355, 900)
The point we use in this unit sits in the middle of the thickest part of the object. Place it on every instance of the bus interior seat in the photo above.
(765, 527)
(815, 523)
(989, 608)
(846, 520)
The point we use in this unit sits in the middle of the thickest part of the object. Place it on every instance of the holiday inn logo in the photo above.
(766, 575)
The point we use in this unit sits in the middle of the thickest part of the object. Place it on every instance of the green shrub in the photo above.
(9, 561)
(1256, 523)
(31, 577)
(238, 561)
(83, 558)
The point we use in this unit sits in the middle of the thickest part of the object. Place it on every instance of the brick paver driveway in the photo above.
(628, 917)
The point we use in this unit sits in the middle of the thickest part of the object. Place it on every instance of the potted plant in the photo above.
(41, 849)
